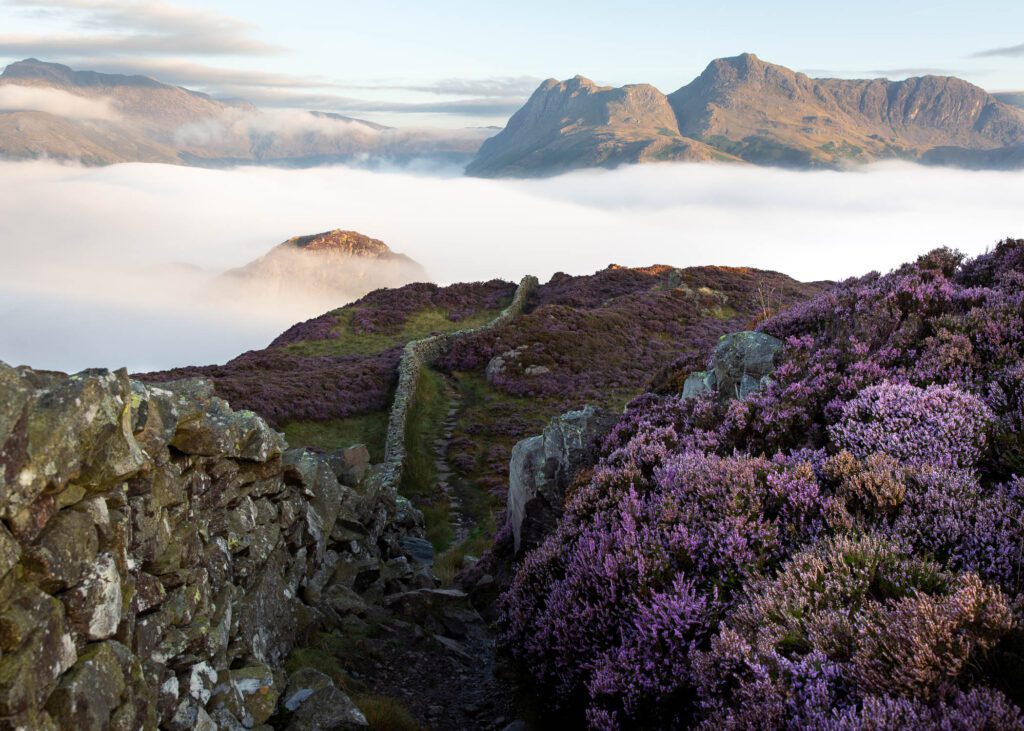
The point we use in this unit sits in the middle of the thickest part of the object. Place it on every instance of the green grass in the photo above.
(385, 713)
(369, 429)
(418, 325)
(427, 412)
(449, 563)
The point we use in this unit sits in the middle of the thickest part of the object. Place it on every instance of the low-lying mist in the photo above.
(118, 266)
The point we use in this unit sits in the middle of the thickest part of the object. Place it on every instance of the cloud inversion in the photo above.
(89, 275)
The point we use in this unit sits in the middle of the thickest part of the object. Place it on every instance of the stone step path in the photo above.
(459, 521)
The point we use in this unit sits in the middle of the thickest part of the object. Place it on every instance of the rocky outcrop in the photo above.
(162, 554)
(576, 123)
(741, 363)
(542, 468)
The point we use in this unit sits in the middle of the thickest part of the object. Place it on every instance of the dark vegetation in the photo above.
(343, 364)
(843, 550)
(327, 382)
(594, 339)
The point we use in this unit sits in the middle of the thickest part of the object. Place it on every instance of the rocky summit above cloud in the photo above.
(329, 268)
(743, 108)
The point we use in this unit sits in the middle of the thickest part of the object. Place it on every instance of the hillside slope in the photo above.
(840, 549)
(596, 339)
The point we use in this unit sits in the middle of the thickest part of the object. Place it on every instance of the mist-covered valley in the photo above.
(120, 265)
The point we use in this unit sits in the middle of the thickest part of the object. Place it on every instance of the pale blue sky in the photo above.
(459, 62)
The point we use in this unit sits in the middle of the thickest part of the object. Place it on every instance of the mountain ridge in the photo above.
(135, 118)
(743, 108)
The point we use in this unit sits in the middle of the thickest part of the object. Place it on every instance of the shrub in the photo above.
(843, 550)
(938, 425)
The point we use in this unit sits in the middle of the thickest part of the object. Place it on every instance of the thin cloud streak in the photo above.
(15, 98)
(1010, 51)
(145, 27)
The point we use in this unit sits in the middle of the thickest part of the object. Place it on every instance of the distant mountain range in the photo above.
(49, 110)
(744, 109)
(739, 109)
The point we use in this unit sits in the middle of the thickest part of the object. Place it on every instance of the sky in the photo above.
(460, 63)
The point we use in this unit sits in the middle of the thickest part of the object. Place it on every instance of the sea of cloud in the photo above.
(118, 265)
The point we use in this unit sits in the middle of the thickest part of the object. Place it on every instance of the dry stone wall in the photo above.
(421, 353)
(161, 555)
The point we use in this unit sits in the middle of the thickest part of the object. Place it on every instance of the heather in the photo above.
(593, 339)
(343, 365)
(844, 549)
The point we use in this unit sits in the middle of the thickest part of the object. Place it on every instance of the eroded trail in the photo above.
(459, 520)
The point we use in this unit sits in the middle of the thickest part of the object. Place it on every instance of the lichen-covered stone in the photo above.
(257, 690)
(94, 606)
(220, 431)
(36, 648)
(80, 430)
(741, 360)
(90, 692)
(10, 551)
(64, 552)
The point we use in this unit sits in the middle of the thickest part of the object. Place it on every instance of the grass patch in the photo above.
(449, 563)
(418, 325)
(369, 429)
(427, 412)
(385, 713)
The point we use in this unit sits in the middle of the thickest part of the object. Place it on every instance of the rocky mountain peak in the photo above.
(349, 243)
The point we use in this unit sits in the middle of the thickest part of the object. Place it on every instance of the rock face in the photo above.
(744, 108)
(577, 124)
(740, 364)
(161, 555)
(330, 268)
(542, 468)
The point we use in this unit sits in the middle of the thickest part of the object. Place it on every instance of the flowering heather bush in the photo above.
(843, 550)
(385, 310)
(939, 425)
(282, 386)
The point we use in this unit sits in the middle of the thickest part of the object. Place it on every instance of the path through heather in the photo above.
(460, 522)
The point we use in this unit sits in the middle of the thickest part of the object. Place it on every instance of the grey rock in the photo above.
(697, 384)
(542, 468)
(419, 550)
(316, 704)
(741, 360)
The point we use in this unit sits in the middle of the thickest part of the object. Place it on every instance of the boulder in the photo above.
(350, 464)
(316, 704)
(740, 364)
(542, 468)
